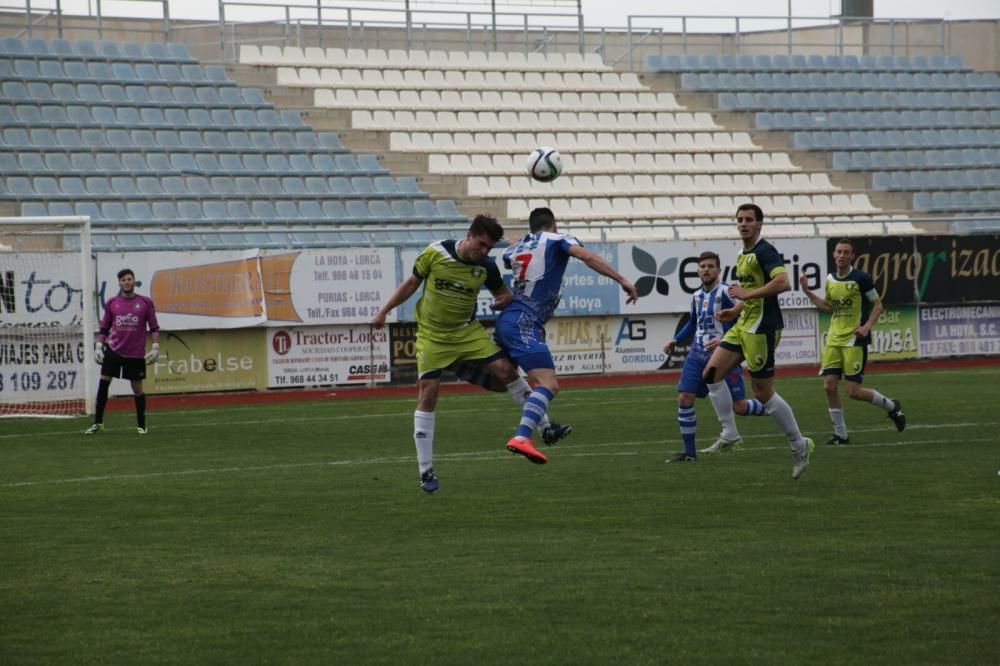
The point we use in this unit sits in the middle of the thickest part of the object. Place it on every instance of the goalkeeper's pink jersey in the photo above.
(127, 319)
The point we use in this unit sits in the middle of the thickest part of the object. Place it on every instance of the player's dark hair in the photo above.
(708, 254)
(541, 219)
(845, 241)
(757, 212)
(486, 225)
(125, 271)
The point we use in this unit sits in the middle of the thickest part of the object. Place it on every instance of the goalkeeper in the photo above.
(121, 347)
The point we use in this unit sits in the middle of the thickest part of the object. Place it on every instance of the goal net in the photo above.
(47, 317)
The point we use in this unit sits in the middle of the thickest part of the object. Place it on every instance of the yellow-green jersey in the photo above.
(451, 289)
(851, 298)
(755, 268)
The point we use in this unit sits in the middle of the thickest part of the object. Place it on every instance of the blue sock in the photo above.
(689, 429)
(534, 409)
(755, 408)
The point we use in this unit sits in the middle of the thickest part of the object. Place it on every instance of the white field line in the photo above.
(579, 396)
(474, 456)
(500, 406)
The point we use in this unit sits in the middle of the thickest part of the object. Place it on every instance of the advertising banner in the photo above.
(931, 269)
(40, 290)
(191, 290)
(666, 274)
(212, 360)
(609, 344)
(895, 337)
(959, 330)
(321, 355)
(579, 345)
(798, 344)
(586, 292)
(34, 369)
(199, 290)
(345, 286)
(403, 353)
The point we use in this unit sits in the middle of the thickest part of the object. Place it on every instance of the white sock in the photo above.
(880, 400)
(519, 391)
(839, 426)
(722, 401)
(423, 437)
(782, 414)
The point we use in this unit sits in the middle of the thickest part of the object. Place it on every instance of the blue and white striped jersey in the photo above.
(703, 326)
(538, 262)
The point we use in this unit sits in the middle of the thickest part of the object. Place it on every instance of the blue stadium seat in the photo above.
(403, 209)
(363, 186)
(155, 51)
(210, 164)
(409, 186)
(165, 211)
(386, 186)
(370, 164)
(246, 185)
(264, 210)
(294, 186)
(215, 212)
(286, 210)
(691, 81)
(317, 185)
(199, 186)
(139, 211)
(310, 210)
(239, 210)
(379, 210)
(19, 187)
(324, 163)
(671, 62)
(358, 210)
(335, 210)
(12, 46)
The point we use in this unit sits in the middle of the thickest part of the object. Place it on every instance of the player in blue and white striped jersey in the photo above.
(538, 262)
(713, 312)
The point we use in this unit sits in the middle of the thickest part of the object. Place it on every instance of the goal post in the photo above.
(48, 311)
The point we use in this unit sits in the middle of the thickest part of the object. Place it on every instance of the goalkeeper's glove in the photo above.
(153, 354)
(99, 352)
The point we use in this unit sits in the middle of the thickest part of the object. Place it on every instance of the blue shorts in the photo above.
(692, 382)
(522, 335)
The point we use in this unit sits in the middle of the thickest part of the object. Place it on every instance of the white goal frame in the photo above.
(88, 294)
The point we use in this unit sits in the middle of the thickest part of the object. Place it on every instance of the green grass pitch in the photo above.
(297, 534)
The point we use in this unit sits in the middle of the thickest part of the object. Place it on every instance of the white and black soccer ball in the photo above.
(545, 164)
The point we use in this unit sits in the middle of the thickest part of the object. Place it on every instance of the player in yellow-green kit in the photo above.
(448, 332)
(854, 306)
(760, 272)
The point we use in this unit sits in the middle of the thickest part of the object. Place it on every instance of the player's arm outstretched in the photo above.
(596, 263)
(820, 303)
(403, 292)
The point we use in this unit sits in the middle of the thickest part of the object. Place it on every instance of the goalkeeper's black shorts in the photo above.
(116, 365)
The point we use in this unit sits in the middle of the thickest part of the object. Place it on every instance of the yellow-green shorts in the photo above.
(848, 362)
(756, 348)
(472, 343)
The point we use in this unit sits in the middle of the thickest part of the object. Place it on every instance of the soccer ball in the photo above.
(545, 164)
